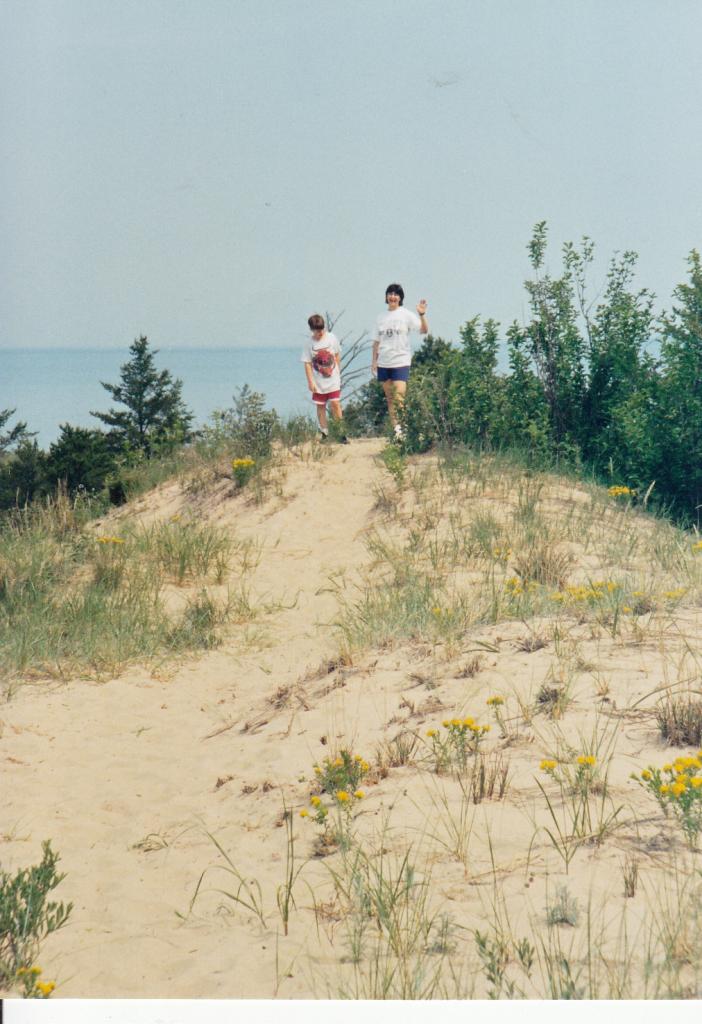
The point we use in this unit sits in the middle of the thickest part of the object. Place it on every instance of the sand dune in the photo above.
(130, 778)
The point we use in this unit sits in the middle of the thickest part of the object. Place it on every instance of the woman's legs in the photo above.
(395, 391)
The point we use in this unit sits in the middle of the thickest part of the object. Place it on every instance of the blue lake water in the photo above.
(48, 387)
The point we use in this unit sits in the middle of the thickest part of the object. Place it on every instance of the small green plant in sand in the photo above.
(26, 918)
(630, 876)
(397, 943)
(459, 741)
(336, 795)
(343, 772)
(284, 895)
(564, 908)
(584, 812)
(496, 704)
(395, 463)
(240, 890)
(456, 745)
(496, 953)
(243, 470)
(677, 788)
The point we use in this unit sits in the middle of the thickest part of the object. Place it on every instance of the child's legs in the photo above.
(336, 409)
(322, 415)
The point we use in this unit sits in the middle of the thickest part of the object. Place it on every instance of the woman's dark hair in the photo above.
(316, 322)
(395, 289)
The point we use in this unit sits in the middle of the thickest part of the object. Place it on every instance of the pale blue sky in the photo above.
(209, 173)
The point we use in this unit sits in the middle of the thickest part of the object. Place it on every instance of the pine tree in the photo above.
(680, 411)
(80, 458)
(12, 437)
(155, 418)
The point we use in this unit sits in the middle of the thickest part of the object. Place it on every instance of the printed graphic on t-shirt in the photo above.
(393, 331)
(323, 362)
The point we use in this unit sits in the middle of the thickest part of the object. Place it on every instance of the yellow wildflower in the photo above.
(359, 794)
(315, 801)
(667, 767)
(446, 723)
(587, 759)
(678, 788)
(646, 775)
(304, 813)
(470, 722)
(548, 765)
(431, 733)
(626, 609)
(342, 796)
(338, 763)
(456, 722)
(696, 782)
(664, 789)
(46, 988)
(495, 701)
(485, 728)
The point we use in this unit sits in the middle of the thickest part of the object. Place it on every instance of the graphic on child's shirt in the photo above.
(323, 362)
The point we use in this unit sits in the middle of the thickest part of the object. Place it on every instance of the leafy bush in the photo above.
(26, 918)
(247, 429)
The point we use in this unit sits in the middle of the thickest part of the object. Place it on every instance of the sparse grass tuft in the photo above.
(679, 720)
(564, 909)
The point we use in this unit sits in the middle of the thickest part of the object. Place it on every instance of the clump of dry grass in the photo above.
(679, 720)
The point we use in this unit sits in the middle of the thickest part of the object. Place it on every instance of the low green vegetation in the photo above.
(27, 917)
(74, 599)
(600, 386)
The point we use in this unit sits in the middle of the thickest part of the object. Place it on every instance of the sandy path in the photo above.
(99, 768)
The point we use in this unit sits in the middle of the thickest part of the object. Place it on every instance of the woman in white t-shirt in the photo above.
(392, 354)
(322, 359)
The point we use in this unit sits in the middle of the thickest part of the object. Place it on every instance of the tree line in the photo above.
(153, 420)
(601, 385)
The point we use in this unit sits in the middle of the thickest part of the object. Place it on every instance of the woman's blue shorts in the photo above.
(393, 373)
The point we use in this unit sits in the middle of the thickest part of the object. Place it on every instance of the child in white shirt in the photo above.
(322, 359)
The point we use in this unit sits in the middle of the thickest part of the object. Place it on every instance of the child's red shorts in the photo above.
(330, 396)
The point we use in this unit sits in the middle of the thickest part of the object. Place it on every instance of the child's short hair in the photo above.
(316, 322)
(395, 289)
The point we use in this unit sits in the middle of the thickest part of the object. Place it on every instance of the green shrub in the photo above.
(26, 918)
